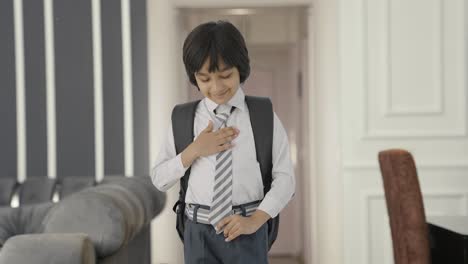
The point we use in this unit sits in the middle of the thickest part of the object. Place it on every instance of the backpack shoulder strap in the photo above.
(183, 116)
(261, 119)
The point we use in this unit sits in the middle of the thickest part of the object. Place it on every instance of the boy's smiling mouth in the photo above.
(220, 95)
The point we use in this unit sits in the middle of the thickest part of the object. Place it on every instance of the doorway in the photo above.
(276, 40)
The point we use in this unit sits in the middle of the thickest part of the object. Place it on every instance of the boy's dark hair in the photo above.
(211, 40)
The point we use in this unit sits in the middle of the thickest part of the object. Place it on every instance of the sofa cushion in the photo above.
(143, 188)
(73, 184)
(36, 190)
(129, 205)
(7, 224)
(91, 213)
(22, 220)
(48, 249)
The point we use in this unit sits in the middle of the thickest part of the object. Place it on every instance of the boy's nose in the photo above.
(216, 86)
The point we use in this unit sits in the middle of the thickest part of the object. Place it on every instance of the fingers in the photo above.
(226, 136)
(224, 222)
(225, 147)
(221, 141)
(223, 138)
(231, 225)
(237, 232)
(209, 128)
(228, 131)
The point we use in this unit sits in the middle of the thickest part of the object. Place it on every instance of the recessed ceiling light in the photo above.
(240, 11)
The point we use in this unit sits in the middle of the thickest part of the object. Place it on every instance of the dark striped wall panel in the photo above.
(8, 152)
(35, 88)
(111, 28)
(74, 88)
(140, 87)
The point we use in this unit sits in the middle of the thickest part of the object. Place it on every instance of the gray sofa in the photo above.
(107, 222)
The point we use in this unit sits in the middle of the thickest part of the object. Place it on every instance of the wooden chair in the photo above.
(405, 207)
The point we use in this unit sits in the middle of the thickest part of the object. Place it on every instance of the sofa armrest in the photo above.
(111, 214)
(48, 249)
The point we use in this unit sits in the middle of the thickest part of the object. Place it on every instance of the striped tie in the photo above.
(221, 205)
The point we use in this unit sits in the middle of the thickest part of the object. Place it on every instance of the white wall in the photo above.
(403, 84)
(164, 92)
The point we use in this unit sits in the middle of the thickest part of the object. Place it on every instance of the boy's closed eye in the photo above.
(223, 74)
(222, 77)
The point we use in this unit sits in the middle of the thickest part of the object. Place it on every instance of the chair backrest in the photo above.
(405, 207)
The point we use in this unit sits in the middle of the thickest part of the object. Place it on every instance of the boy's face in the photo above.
(219, 86)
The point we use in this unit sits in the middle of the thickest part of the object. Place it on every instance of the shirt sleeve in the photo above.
(284, 184)
(168, 168)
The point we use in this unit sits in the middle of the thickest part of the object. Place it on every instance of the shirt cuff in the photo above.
(179, 166)
(270, 206)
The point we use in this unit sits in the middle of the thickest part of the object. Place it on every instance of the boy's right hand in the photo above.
(209, 142)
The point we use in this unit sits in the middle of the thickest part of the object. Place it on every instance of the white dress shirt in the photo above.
(247, 177)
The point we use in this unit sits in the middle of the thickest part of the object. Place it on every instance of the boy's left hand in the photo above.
(236, 225)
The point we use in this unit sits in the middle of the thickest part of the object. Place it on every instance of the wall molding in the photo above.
(438, 107)
(369, 133)
(369, 165)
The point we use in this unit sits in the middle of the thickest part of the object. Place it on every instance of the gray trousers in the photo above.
(203, 245)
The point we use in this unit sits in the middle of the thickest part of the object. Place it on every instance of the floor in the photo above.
(283, 260)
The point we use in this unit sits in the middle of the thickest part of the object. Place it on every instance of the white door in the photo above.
(403, 85)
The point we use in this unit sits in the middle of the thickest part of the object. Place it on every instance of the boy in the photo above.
(224, 172)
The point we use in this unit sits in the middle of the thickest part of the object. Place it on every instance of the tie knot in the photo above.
(223, 116)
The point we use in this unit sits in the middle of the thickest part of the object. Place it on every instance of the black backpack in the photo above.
(261, 119)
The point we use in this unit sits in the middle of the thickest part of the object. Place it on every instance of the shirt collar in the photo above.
(237, 100)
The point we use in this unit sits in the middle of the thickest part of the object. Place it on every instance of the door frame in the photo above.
(324, 236)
